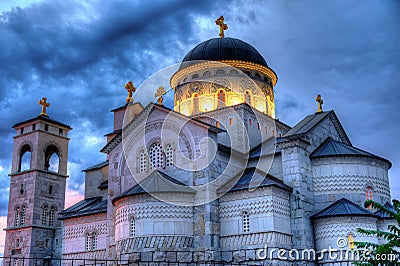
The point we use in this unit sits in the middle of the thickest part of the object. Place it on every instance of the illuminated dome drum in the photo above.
(223, 72)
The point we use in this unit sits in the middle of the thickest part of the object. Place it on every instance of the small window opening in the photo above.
(246, 222)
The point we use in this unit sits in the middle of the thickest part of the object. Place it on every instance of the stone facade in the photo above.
(37, 192)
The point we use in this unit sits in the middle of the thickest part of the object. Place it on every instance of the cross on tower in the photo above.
(44, 105)
(131, 89)
(320, 103)
(160, 92)
(222, 26)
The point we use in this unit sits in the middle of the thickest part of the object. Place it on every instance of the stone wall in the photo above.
(76, 229)
(152, 217)
(333, 232)
(348, 177)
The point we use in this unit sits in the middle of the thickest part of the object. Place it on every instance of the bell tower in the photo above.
(37, 187)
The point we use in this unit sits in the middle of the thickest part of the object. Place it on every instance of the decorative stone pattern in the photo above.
(76, 229)
(331, 230)
(151, 217)
(328, 230)
(345, 176)
(77, 256)
(256, 239)
(153, 243)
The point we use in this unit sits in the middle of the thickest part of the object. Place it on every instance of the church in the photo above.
(216, 180)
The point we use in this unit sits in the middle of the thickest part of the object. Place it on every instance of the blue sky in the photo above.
(79, 54)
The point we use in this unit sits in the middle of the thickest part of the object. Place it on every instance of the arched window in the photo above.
(218, 124)
(17, 216)
(195, 104)
(231, 121)
(247, 97)
(22, 219)
(88, 242)
(25, 158)
(132, 227)
(368, 193)
(156, 156)
(221, 99)
(250, 122)
(169, 155)
(52, 159)
(51, 215)
(246, 222)
(94, 241)
(45, 211)
(21, 190)
(91, 241)
(369, 196)
(142, 162)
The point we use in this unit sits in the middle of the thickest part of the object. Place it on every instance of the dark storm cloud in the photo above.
(79, 55)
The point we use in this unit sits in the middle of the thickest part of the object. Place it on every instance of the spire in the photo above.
(222, 26)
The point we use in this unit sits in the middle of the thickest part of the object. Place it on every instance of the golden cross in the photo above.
(44, 105)
(222, 26)
(320, 103)
(131, 89)
(160, 92)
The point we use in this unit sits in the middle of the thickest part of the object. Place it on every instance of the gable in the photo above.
(156, 114)
(324, 125)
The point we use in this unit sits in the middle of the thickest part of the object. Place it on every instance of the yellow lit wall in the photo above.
(209, 102)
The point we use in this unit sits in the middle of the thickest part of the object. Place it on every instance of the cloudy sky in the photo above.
(79, 54)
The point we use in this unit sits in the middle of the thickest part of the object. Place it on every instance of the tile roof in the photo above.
(308, 123)
(43, 118)
(96, 166)
(343, 207)
(252, 179)
(85, 207)
(266, 148)
(156, 182)
(331, 148)
(311, 121)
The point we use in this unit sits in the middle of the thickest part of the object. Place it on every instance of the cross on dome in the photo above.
(222, 26)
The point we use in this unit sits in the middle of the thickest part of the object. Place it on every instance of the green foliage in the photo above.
(387, 253)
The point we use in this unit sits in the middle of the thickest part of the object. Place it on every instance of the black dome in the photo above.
(225, 49)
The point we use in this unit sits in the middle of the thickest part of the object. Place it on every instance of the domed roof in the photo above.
(225, 49)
